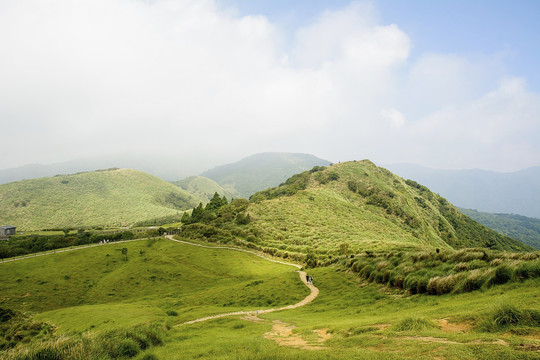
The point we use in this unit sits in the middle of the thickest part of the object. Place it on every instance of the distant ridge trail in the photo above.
(314, 290)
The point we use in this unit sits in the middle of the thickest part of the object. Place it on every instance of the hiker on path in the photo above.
(307, 278)
(311, 278)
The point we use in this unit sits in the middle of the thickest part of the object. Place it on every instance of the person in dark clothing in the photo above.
(307, 278)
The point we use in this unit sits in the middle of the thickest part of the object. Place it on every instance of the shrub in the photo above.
(440, 285)
(416, 284)
(503, 274)
(506, 315)
(414, 323)
(527, 270)
(474, 281)
(149, 357)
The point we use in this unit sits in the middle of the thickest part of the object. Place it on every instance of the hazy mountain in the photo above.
(165, 167)
(202, 188)
(489, 191)
(522, 228)
(116, 197)
(261, 171)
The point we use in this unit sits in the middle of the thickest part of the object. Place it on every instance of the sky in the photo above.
(443, 84)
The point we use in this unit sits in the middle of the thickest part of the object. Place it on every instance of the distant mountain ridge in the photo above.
(488, 191)
(258, 172)
(522, 228)
(113, 197)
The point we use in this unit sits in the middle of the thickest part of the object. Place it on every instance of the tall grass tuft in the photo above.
(506, 315)
(414, 323)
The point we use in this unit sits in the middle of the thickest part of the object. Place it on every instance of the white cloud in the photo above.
(185, 77)
(499, 130)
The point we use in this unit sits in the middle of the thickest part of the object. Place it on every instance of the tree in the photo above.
(197, 214)
(186, 218)
(216, 202)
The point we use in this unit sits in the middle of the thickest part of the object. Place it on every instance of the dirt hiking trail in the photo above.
(252, 314)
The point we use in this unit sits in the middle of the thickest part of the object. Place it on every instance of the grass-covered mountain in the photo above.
(522, 228)
(261, 171)
(511, 193)
(115, 197)
(202, 188)
(351, 208)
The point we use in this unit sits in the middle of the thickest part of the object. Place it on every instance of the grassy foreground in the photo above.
(131, 309)
(354, 320)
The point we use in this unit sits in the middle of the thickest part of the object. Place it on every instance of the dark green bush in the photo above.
(503, 274)
(125, 348)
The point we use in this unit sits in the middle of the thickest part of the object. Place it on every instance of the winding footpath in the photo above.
(314, 290)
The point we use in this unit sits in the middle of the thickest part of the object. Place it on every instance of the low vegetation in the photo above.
(116, 197)
(30, 244)
(442, 272)
(25, 339)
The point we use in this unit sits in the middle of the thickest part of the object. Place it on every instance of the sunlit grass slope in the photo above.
(367, 208)
(372, 322)
(116, 197)
(93, 288)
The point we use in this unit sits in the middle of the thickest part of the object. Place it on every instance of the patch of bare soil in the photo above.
(453, 327)
(529, 347)
(381, 326)
(446, 341)
(323, 334)
(282, 334)
(495, 342)
(430, 339)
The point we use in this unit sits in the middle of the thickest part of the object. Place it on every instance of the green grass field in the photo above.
(92, 295)
(369, 322)
(118, 197)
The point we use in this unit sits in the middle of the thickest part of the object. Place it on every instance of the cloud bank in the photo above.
(196, 81)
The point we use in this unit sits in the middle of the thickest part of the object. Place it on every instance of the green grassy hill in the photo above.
(116, 197)
(261, 171)
(202, 188)
(350, 207)
(522, 228)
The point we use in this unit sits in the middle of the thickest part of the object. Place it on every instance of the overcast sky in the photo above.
(444, 84)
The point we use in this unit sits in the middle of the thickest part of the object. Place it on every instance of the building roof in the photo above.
(8, 227)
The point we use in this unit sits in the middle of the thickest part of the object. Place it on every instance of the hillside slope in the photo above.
(350, 208)
(261, 171)
(522, 228)
(488, 191)
(115, 197)
(202, 188)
